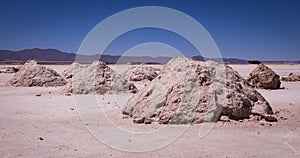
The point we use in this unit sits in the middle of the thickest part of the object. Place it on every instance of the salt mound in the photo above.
(264, 77)
(68, 73)
(95, 78)
(188, 91)
(32, 74)
(9, 69)
(142, 73)
(292, 77)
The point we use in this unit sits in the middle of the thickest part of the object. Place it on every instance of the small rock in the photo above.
(40, 138)
(125, 113)
(283, 118)
(138, 120)
(147, 121)
(270, 118)
(224, 119)
(68, 94)
(125, 116)
(71, 108)
(262, 124)
(258, 118)
(38, 95)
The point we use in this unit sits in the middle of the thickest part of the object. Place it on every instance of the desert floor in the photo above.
(49, 126)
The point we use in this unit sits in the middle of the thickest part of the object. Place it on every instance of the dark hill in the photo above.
(54, 56)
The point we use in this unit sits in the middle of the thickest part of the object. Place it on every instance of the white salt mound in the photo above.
(264, 77)
(32, 74)
(188, 91)
(291, 78)
(141, 73)
(9, 69)
(95, 78)
(68, 73)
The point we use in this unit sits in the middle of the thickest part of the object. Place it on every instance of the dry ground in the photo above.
(49, 126)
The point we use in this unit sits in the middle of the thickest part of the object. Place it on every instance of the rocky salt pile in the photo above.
(141, 73)
(291, 78)
(95, 78)
(9, 69)
(32, 74)
(264, 77)
(188, 91)
(69, 72)
(68, 75)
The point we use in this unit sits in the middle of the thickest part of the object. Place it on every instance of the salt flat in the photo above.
(49, 125)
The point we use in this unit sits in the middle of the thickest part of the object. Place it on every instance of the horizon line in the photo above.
(57, 49)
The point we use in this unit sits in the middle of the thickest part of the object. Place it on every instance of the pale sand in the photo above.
(25, 118)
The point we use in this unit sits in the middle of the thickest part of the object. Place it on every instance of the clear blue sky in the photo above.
(253, 29)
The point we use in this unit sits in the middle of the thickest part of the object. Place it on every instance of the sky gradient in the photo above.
(254, 29)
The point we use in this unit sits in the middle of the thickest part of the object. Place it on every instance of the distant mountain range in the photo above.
(53, 56)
